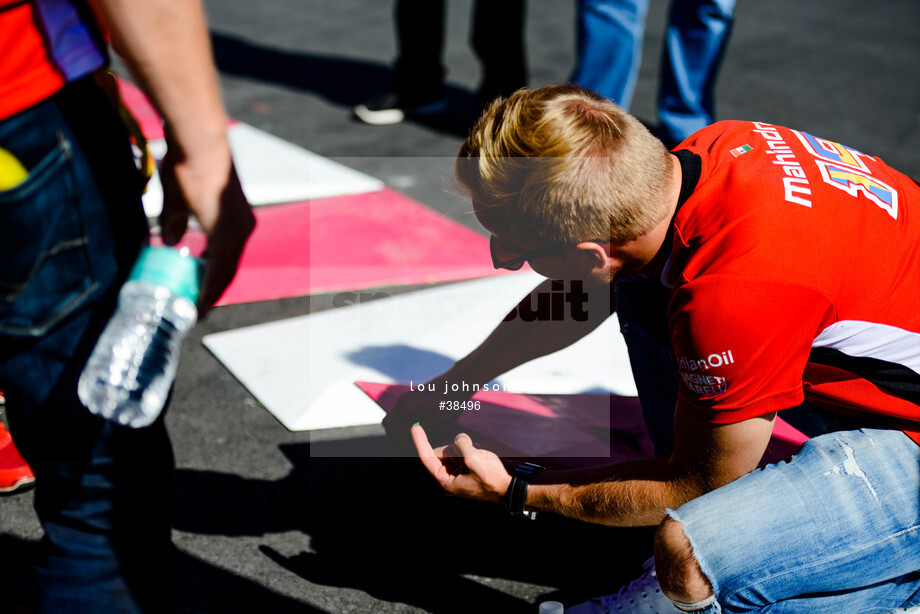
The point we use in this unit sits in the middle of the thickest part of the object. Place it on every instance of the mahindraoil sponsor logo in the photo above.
(693, 371)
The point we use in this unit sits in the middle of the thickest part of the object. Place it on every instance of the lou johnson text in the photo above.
(462, 387)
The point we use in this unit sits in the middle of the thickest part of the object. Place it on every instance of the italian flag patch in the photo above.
(741, 150)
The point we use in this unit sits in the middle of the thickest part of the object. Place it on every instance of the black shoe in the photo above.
(391, 107)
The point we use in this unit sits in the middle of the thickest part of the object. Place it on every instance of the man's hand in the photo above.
(212, 193)
(423, 406)
(463, 469)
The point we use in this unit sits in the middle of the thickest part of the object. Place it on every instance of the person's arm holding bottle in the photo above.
(166, 46)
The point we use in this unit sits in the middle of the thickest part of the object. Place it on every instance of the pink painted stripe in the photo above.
(496, 428)
(351, 242)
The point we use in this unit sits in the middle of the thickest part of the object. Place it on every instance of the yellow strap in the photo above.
(109, 83)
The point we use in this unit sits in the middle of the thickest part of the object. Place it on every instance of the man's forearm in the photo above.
(630, 493)
(637, 492)
(166, 46)
(516, 341)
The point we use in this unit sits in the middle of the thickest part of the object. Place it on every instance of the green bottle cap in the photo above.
(177, 271)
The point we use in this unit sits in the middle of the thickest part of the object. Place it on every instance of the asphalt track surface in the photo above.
(265, 523)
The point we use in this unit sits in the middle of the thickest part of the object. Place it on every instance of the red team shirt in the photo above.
(45, 44)
(796, 275)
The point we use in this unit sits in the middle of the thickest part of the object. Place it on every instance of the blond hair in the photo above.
(560, 165)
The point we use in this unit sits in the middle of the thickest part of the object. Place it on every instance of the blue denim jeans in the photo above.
(68, 237)
(610, 34)
(835, 529)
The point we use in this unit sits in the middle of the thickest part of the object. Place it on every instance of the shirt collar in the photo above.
(691, 167)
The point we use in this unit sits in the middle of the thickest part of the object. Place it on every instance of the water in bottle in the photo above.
(133, 365)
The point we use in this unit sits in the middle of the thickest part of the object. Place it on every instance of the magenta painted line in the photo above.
(504, 416)
(348, 243)
(562, 430)
(786, 432)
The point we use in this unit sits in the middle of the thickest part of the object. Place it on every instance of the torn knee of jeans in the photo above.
(679, 573)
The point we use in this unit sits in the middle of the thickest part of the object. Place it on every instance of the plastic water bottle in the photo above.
(132, 367)
(551, 607)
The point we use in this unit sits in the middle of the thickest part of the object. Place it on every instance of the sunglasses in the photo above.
(513, 259)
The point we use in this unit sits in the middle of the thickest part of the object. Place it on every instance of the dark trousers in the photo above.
(68, 237)
(497, 39)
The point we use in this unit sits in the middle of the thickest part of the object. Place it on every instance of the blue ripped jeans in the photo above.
(68, 237)
(835, 530)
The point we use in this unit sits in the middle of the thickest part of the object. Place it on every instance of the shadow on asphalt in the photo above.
(345, 82)
(201, 588)
(382, 525)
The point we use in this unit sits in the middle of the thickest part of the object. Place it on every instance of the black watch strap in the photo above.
(517, 491)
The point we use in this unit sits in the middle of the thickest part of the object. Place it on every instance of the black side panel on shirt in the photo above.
(897, 380)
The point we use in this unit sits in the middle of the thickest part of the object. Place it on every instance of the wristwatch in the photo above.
(517, 491)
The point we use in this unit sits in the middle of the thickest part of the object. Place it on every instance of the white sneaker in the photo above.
(642, 596)
(391, 107)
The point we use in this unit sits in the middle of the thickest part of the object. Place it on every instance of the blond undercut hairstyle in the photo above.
(560, 165)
